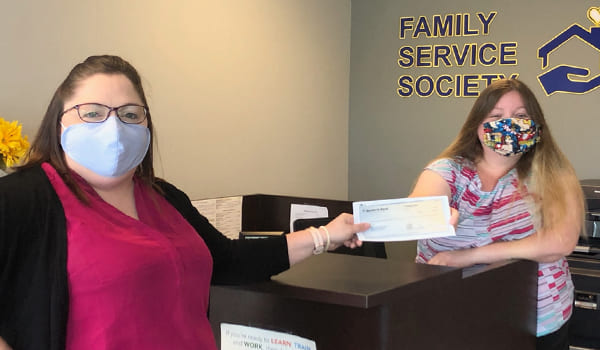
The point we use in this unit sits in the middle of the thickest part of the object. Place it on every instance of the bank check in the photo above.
(404, 219)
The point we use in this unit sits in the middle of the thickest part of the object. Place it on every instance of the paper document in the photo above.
(404, 219)
(224, 213)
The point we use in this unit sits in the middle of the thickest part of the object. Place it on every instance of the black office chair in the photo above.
(372, 249)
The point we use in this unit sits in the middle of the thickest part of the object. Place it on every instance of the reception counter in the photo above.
(353, 302)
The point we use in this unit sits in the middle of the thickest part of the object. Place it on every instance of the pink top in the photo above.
(134, 284)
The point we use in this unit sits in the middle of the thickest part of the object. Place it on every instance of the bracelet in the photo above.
(328, 237)
(317, 239)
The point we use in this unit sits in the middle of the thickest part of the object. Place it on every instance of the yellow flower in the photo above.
(12, 145)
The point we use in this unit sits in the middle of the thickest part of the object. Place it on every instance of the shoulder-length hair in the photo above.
(46, 146)
(544, 170)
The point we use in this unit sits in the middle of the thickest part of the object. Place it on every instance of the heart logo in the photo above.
(594, 15)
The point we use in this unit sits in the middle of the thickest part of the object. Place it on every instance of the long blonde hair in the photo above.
(544, 170)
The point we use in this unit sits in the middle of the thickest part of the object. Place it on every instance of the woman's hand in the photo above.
(342, 230)
(454, 258)
(3, 345)
(454, 217)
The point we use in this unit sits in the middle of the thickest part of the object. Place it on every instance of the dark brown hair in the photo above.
(46, 146)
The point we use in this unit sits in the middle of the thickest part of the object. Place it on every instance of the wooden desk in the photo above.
(352, 302)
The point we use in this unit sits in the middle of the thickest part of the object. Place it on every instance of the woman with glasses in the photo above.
(98, 253)
(513, 194)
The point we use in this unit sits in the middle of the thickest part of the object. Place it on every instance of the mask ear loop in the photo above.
(64, 128)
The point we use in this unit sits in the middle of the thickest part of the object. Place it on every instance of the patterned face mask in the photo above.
(511, 136)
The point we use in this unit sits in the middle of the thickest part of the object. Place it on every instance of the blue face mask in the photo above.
(110, 148)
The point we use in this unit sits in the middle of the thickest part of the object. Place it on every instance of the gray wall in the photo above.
(393, 137)
(247, 96)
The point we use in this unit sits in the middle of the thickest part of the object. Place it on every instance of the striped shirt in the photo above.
(499, 215)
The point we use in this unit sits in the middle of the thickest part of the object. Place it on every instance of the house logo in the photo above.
(565, 78)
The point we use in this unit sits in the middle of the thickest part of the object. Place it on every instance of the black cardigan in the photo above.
(34, 295)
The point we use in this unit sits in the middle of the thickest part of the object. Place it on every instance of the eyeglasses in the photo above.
(98, 113)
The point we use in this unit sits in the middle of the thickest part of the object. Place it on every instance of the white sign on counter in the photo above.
(237, 337)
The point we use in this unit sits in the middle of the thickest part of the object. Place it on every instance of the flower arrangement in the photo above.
(12, 145)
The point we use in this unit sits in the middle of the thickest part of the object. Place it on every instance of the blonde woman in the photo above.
(513, 194)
